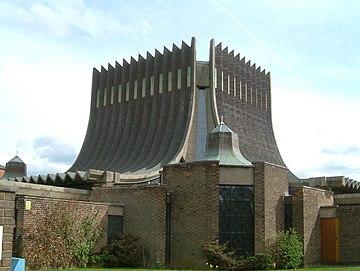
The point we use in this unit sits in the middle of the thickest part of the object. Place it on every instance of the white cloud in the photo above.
(306, 124)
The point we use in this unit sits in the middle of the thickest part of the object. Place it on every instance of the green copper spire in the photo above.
(223, 145)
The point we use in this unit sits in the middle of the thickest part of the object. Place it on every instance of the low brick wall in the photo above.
(31, 209)
(306, 219)
(7, 214)
(144, 214)
(349, 217)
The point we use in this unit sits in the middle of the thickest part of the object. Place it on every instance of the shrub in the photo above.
(260, 261)
(218, 257)
(62, 237)
(288, 250)
(125, 251)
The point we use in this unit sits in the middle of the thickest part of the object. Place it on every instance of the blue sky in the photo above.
(49, 47)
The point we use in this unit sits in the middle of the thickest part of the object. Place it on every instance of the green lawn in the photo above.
(320, 268)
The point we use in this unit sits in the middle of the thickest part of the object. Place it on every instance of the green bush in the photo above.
(218, 257)
(288, 250)
(260, 261)
(99, 259)
(125, 251)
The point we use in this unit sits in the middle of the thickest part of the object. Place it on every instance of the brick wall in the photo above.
(349, 217)
(194, 211)
(144, 214)
(306, 219)
(39, 208)
(270, 185)
(7, 213)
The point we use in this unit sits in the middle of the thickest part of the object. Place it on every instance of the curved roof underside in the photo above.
(140, 114)
(243, 97)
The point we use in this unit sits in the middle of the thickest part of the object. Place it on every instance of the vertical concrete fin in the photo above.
(125, 63)
(184, 45)
(140, 58)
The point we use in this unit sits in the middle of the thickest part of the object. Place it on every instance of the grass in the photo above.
(317, 268)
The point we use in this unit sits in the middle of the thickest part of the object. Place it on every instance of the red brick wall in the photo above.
(144, 214)
(7, 212)
(270, 185)
(349, 217)
(306, 219)
(194, 192)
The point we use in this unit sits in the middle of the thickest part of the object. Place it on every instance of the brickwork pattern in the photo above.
(306, 219)
(349, 217)
(270, 184)
(144, 214)
(194, 192)
(38, 205)
(7, 214)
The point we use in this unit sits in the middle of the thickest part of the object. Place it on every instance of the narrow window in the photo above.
(98, 98)
(135, 89)
(112, 95)
(251, 95)
(188, 76)
(179, 79)
(266, 102)
(143, 87)
(119, 93)
(105, 92)
(256, 97)
(152, 85)
(246, 94)
(115, 227)
(234, 86)
(240, 91)
(215, 78)
(228, 85)
(169, 81)
(127, 91)
(160, 83)
(222, 81)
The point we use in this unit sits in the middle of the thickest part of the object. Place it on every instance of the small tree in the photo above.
(288, 250)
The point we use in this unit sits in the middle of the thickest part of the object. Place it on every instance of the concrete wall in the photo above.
(270, 186)
(144, 214)
(306, 219)
(194, 211)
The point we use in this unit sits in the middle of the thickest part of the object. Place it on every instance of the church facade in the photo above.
(182, 153)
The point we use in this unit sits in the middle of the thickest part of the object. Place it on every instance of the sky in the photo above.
(311, 47)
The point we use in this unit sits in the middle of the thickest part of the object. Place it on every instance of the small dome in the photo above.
(223, 146)
(15, 168)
